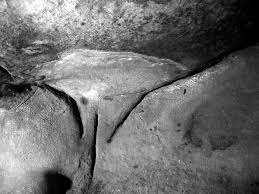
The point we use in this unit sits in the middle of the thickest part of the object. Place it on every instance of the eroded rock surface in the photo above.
(39, 143)
(88, 121)
(197, 135)
(191, 32)
(107, 122)
(82, 80)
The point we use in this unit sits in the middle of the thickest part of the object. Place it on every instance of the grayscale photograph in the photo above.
(129, 97)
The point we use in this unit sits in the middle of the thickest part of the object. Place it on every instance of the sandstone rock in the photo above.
(197, 135)
(191, 32)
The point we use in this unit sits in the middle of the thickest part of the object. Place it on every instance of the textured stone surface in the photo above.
(190, 32)
(92, 78)
(39, 140)
(117, 80)
(198, 135)
(117, 120)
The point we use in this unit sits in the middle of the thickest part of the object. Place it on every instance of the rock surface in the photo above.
(120, 124)
(190, 32)
(197, 135)
(88, 121)
(91, 78)
(39, 142)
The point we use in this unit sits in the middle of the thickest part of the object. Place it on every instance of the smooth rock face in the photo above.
(65, 107)
(117, 122)
(38, 144)
(116, 80)
(197, 135)
(92, 120)
(190, 32)
(88, 121)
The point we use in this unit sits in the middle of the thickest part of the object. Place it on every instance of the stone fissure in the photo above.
(78, 112)
(145, 93)
(94, 145)
(78, 118)
(94, 125)
(70, 101)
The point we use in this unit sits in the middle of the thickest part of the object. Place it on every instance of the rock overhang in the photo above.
(185, 31)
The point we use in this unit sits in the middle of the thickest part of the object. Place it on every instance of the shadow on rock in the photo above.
(56, 183)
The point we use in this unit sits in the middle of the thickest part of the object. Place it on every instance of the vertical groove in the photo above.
(72, 104)
(94, 144)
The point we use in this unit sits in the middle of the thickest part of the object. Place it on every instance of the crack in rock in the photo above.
(126, 114)
(71, 102)
(94, 145)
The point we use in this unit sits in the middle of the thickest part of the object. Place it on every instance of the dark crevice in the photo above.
(10, 90)
(56, 183)
(94, 144)
(71, 102)
(13, 96)
(5, 75)
(202, 68)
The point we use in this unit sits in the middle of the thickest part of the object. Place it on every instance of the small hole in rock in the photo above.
(110, 98)
(84, 101)
(56, 183)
